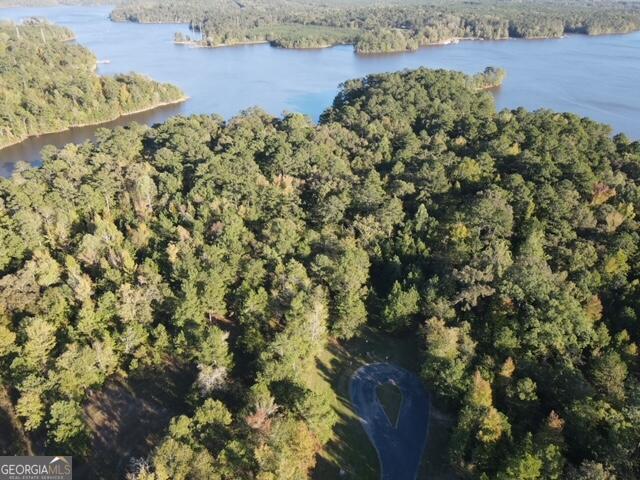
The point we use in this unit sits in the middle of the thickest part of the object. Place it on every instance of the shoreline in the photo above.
(441, 43)
(198, 44)
(96, 123)
(272, 43)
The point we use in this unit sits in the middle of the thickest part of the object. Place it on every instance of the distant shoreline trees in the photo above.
(49, 84)
(379, 29)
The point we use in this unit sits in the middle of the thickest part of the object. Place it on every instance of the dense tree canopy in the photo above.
(381, 26)
(49, 84)
(507, 241)
(47, 3)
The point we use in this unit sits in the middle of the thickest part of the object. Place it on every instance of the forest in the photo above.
(377, 28)
(49, 84)
(224, 256)
(51, 3)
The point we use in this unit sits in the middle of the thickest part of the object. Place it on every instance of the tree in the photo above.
(67, 426)
(229, 256)
(401, 308)
(7, 341)
(449, 351)
(289, 452)
(40, 342)
(609, 374)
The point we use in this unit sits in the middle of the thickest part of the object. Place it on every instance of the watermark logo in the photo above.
(36, 468)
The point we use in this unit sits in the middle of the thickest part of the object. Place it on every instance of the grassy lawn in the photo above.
(350, 450)
(391, 399)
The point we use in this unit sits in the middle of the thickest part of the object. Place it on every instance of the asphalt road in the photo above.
(399, 448)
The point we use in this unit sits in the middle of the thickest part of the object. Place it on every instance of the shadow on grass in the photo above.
(349, 454)
(390, 397)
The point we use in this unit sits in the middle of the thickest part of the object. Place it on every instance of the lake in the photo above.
(597, 77)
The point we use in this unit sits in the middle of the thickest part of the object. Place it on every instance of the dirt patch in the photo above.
(128, 417)
(14, 440)
(8, 440)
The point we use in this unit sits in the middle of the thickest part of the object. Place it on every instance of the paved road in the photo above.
(399, 448)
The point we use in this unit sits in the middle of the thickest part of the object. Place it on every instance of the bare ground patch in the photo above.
(128, 417)
(13, 439)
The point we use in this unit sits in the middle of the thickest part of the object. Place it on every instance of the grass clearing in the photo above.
(349, 454)
(391, 399)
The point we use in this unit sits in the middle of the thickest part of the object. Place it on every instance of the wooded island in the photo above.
(49, 84)
(378, 28)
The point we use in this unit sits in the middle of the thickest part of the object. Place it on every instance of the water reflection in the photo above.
(30, 149)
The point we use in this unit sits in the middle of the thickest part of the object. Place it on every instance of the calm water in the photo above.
(597, 77)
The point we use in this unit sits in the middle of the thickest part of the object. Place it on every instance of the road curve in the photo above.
(399, 447)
